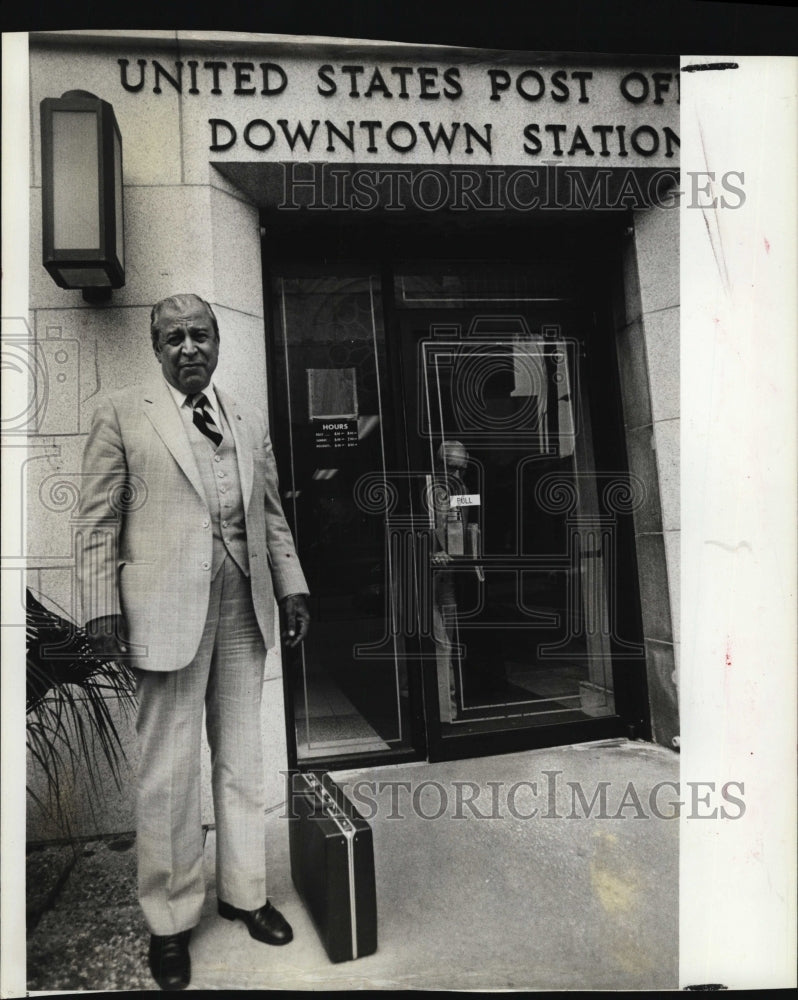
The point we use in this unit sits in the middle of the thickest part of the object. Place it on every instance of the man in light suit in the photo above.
(185, 547)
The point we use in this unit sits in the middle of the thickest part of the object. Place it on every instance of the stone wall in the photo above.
(648, 349)
(202, 237)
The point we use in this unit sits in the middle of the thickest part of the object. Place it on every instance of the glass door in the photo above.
(436, 430)
(349, 691)
(516, 530)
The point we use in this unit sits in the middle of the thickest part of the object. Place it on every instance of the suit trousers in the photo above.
(225, 679)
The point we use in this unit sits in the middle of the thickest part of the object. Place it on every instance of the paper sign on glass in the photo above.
(464, 500)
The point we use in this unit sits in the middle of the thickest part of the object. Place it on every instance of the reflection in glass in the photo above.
(521, 621)
(330, 378)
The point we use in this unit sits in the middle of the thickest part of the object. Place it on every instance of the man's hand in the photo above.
(441, 558)
(108, 637)
(296, 619)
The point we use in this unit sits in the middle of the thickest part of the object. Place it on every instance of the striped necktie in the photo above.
(203, 420)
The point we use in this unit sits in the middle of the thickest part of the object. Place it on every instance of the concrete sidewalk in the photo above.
(478, 894)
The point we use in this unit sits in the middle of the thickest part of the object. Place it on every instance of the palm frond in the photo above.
(69, 724)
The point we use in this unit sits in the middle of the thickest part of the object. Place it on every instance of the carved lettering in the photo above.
(267, 129)
(403, 72)
(500, 81)
(298, 133)
(579, 143)
(176, 82)
(647, 147)
(409, 140)
(441, 136)
(471, 133)
(545, 87)
(428, 78)
(530, 85)
(348, 140)
(371, 127)
(603, 131)
(556, 131)
(582, 76)
(132, 87)
(324, 74)
(452, 78)
(611, 140)
(531, 135)
(269, 70)
(353, 73)
(671, 140)
(217, 145)
(533, 85)
(243, 74)
(377, 85)
(215, 67)
(634, 87)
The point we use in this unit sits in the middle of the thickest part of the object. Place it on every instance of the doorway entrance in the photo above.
(452, 464)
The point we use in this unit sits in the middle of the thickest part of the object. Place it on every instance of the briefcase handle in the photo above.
(333, 809)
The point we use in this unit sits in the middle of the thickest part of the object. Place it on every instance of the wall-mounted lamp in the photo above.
(82, 216)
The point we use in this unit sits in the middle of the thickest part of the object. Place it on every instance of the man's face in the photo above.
(188, 347)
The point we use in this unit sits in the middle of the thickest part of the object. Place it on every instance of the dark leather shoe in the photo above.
(170, 963)
(265, 924)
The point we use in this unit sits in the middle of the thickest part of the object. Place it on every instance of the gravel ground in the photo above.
(45, 869)
(93, 937)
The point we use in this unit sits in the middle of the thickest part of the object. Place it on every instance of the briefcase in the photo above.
(332, 865)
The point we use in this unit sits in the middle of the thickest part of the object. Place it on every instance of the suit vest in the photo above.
(218, 468)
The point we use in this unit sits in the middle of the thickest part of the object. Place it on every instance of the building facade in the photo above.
(414, 253)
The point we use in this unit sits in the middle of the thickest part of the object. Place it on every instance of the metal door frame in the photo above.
(600, 259)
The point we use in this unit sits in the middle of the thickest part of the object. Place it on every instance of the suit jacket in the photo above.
(146, 529)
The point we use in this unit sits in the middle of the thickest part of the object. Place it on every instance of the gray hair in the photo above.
(180, 302)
